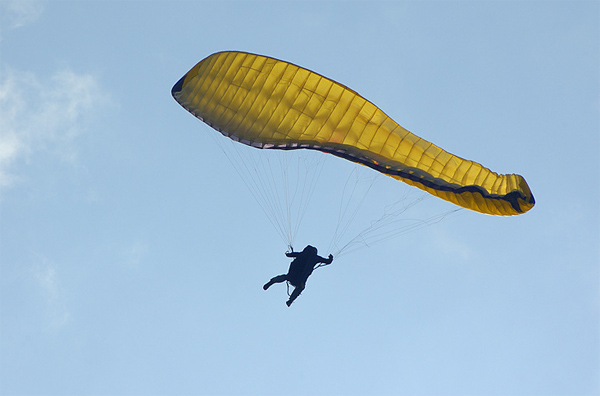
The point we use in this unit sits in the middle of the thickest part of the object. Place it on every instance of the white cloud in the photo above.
(40, 116)
(18, 13)
(53, 294)
(135, 253)
(453, 247)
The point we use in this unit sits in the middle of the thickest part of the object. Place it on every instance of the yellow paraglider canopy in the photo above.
(272, 104)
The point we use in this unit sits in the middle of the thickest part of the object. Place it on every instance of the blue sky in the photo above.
(132, 255)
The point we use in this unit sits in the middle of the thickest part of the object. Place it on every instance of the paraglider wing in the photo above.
(272, 104)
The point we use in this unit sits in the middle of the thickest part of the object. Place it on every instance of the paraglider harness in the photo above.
(287, 283)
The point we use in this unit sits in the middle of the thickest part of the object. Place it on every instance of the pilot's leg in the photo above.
(297, 290)
(277, 279)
